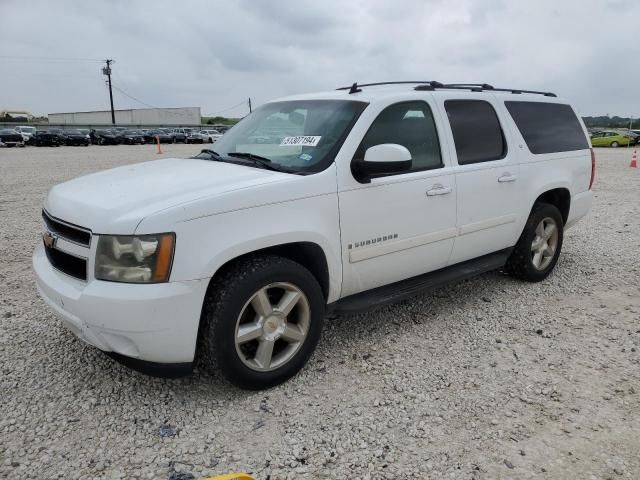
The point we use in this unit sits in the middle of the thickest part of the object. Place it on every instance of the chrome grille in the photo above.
(73, 233)
(66, 246)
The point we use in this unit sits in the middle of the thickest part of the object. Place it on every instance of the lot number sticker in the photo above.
(301, 141)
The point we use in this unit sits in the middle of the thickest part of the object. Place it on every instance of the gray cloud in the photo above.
(215, 54)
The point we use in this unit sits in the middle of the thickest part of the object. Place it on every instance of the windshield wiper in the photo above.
(260, 161)
(210, 152)
(250, 156)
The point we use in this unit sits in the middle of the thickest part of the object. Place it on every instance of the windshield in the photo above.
(74, 132)
(300, 136)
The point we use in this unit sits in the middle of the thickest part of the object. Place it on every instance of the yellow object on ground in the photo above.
(231, 476)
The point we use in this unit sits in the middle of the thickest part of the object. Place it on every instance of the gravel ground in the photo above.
(491, 378)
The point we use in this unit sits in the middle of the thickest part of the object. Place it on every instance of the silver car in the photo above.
(211, 135)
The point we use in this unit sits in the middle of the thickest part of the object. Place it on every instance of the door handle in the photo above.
(507, 177)
(439, 190)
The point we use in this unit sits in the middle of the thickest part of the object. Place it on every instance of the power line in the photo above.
(134, 98)
(49, 59)
(243, 102)
(168, 110)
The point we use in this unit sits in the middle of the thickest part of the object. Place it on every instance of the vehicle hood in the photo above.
(117, 200)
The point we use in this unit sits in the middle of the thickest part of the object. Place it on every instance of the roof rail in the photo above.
(355, 87)
(433, 85)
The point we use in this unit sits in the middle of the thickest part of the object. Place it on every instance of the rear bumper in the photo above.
(150, 323)
(580, 206)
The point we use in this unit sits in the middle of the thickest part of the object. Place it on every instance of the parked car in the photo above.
(610, 139)
(635, 136)
(48, 138)
(76, 137)
(196, 137)
(371, 195)
(152, 135)
(221, 128)
(105, 137)
(27, 132)
(132, 137)
(11, 138)
(178, 134)
(211, 135)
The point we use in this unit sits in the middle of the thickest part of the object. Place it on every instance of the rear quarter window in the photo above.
(548, 127)
(476, 131)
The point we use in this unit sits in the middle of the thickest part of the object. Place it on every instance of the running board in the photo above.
(411, 287)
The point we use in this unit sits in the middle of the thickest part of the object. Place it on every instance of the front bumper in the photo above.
(151, 323)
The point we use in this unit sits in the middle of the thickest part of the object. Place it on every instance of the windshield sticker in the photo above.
(305, 157)
(301, 141)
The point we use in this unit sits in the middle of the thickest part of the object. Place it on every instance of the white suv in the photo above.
(351, 198)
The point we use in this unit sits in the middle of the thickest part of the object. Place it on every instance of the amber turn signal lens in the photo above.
(164, 257)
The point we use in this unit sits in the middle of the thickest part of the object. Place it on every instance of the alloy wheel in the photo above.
(544, 244)
(272, 326)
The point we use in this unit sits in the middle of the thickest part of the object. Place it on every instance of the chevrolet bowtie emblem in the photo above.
(49, 239)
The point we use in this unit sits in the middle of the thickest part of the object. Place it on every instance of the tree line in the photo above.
(606, 121)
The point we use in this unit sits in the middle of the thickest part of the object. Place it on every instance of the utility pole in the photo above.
(107, 71)
(249, 104)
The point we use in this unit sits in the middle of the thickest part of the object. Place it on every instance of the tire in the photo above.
(522, 261)
(229, 306)
(615, 144)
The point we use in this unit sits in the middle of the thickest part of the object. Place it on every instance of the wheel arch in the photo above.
(308, 254)
(558, 197)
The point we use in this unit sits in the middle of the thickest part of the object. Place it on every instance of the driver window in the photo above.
(411, 125)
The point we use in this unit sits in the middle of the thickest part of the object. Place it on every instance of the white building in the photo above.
(138, 116)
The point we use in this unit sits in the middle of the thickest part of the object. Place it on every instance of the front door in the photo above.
(403, 225)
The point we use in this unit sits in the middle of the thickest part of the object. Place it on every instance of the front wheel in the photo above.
(615, 144)
(262, 320)
(537, 251)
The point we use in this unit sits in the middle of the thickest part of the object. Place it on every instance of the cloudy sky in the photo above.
(216, 54)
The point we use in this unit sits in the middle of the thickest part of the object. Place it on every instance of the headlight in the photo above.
(135, 259)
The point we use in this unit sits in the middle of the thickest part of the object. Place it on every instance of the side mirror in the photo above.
(379, 160)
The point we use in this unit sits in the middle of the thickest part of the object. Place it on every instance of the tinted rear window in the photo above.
(548, 127)
(476, 131)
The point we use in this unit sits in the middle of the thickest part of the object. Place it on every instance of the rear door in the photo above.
(486, 176)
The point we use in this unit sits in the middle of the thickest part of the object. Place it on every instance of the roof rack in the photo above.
(433, 85)
(355, 88)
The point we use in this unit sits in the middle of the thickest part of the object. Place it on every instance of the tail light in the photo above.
(593, 168)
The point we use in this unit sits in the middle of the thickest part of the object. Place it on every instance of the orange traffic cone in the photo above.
(634, 159)
(159, 149)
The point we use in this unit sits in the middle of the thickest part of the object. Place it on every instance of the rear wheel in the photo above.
(537, 251)
(262, 321)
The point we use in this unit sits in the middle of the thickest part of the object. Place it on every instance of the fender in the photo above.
(204, 244)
